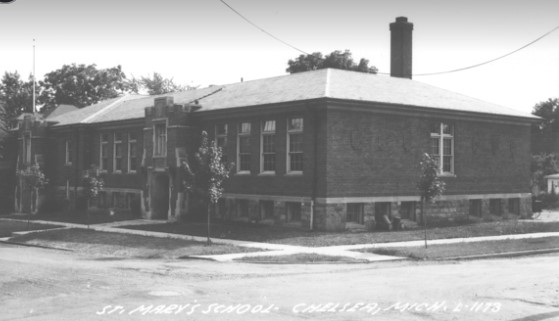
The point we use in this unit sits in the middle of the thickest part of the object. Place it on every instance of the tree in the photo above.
(82, 85)
(542, 165)
(336, 59)
(211, 174)
(4, 120)
(547, 130)
(16, 94)
(157, 85)
(430, 186)
(93, 184)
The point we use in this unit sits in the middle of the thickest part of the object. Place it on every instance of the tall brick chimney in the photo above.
(401, 48)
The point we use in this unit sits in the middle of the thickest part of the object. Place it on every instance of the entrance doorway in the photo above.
(160, 196)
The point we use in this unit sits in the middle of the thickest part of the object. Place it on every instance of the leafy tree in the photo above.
(336, 59)
(211, 174)
(4, 120)
(541, 166)
(547, 130)
(33, 179)
(82, 85)
(430, 186)
(93, 184)
(157, 85)
(16, 94)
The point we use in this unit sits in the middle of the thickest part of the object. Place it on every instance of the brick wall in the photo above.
(378, 155)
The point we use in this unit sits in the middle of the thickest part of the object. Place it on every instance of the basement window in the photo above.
(355, 213)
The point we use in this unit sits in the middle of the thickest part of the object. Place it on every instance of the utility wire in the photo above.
(383, 73)
(492, 60)
(264, 31)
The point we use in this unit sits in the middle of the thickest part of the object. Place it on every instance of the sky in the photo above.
(203, 42)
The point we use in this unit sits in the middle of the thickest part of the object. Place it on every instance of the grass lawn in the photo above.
(78, 217)
(106, 244)
(301, 258)
(293, 236)
(7, 227)
(448, 251)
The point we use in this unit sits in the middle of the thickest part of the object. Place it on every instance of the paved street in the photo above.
(42, 284)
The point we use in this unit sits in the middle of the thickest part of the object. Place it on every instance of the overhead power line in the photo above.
(261, 29)
(492, 60)
(421, 74)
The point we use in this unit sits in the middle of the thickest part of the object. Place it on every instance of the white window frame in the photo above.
(296, 131)
(119, 142)
(241, 134)
(441, 136)
(163, 153)
(67, 158)
(101, 155)
(219, 135)
(262, 134)
(129, 156)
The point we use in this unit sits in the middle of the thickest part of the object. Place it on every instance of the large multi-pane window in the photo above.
(117, 153)
(160, 133)
(295, 145)
(442, 146)
(27, 147)
(132, 153)
(243, 148)
(268, 148)
(221, 139)
(104, 152)
(69, 152)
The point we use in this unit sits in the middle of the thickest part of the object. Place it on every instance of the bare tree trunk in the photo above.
(424, 217)
(209, 241)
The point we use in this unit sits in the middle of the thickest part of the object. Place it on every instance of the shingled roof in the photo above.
(324, 83)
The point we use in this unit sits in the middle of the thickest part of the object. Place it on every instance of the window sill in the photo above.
(294, 173)
(242, 173)
(450, 175)
(68, 164)
(267, 174)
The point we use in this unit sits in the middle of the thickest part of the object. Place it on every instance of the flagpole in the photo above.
(33, 75)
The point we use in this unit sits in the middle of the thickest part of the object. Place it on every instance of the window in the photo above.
(243, 148)
(27, 148)
(104, 152)
(268, 159)
(69, 152)
(242, 208)
(117, 152)
(514, 206)
(160, 132)
(495, 207)
(407, 210)
(221, 139)
(295, 145)
(475, 208)
(266, 210)
(293, 211)
(442, 147)
(132, 153)
(355, 213)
